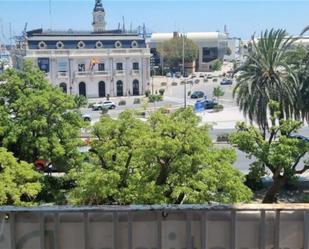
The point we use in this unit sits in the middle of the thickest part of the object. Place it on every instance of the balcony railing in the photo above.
(135, 71)
(120, 72)
(91, 73)
(62, 74)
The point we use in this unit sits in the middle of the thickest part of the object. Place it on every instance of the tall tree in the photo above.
(167, 159)
(266, 76)
(280, 153)
(19, 182)
(172, 51)
(34, 119)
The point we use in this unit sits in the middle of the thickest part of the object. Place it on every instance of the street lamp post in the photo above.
(183, 70)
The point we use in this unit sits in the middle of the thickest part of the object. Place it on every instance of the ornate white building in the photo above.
(93, 64)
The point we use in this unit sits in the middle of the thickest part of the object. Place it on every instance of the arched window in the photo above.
(119, 88)
(82, 89)
(135, 87)
(102, 89)
(63, 86)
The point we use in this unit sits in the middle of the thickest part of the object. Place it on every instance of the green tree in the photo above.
(34, 119)
(19, 182)
(172, 51)
(216, 65)
(266, 76)
(218, 92)
(167, 159)
(279, 153)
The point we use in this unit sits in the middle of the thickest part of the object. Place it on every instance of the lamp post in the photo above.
(183, 70)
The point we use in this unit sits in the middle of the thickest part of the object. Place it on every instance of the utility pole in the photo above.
(183, 70)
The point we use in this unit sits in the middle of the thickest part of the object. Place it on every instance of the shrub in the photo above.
(161, 91)
(80, 101)
(155, 98)
(197, 81)
(141, 114)
(205, 80)
(122, 102)
(174, 84)
(182, 82)
(137, 101)
(147, 93)
(163, 84)
(218, 108)
(215, 80)
(189, 93)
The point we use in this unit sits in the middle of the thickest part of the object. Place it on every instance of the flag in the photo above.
(93, 62)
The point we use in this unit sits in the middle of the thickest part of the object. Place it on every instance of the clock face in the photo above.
(99, 18)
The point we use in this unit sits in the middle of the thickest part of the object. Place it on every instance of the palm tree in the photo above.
(266, 76)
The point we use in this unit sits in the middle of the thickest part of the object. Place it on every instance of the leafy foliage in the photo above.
(172, 51)
(279, 153)
(34, 119)
(216, 65)
(167, 159)
(266, 76)
(18, 180)
(218, 92)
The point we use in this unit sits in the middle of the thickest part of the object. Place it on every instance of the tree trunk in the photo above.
(277, 185)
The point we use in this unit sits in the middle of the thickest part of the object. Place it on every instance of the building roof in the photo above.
(195, 36)
(72, 33)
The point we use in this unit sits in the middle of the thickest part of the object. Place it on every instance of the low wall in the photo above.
(156, 227)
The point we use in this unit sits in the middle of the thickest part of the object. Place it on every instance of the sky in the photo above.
(243, 18)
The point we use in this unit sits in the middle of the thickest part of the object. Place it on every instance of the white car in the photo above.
(86, 117)
(104, 105)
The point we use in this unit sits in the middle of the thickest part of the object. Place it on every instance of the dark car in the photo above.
(207, 103)
(210, 104)
(197, 95)
(226, 82)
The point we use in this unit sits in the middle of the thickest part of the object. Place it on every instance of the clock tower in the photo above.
(98, 23)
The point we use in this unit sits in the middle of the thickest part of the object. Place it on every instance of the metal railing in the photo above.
(160, 227)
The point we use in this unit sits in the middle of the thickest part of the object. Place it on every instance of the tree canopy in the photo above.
(19, 182)
(35, 123)
(266, 76)
(280, 152)
(172, 51)
(167, 159)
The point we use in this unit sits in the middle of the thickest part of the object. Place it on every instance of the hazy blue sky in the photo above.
(243, 18)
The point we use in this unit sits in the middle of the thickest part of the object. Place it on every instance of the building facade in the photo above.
(94, 64)
(212, 46)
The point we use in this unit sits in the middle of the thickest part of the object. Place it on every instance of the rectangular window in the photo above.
(101, 67)
(210, 54)
(135, 66)
(62, 66)
(119, 66)
(81, 67)
(43, 64)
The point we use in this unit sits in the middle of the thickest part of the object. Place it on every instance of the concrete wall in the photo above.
(156, 227)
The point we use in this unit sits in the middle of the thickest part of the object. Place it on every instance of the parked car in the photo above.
(178, 74)
(202, 75)
(207, 103)
(226, 82)
(168, 75)
(197, 95)
(102, 105)
(193, 76)
(86, 117)
(210, 104)
(209, 76)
